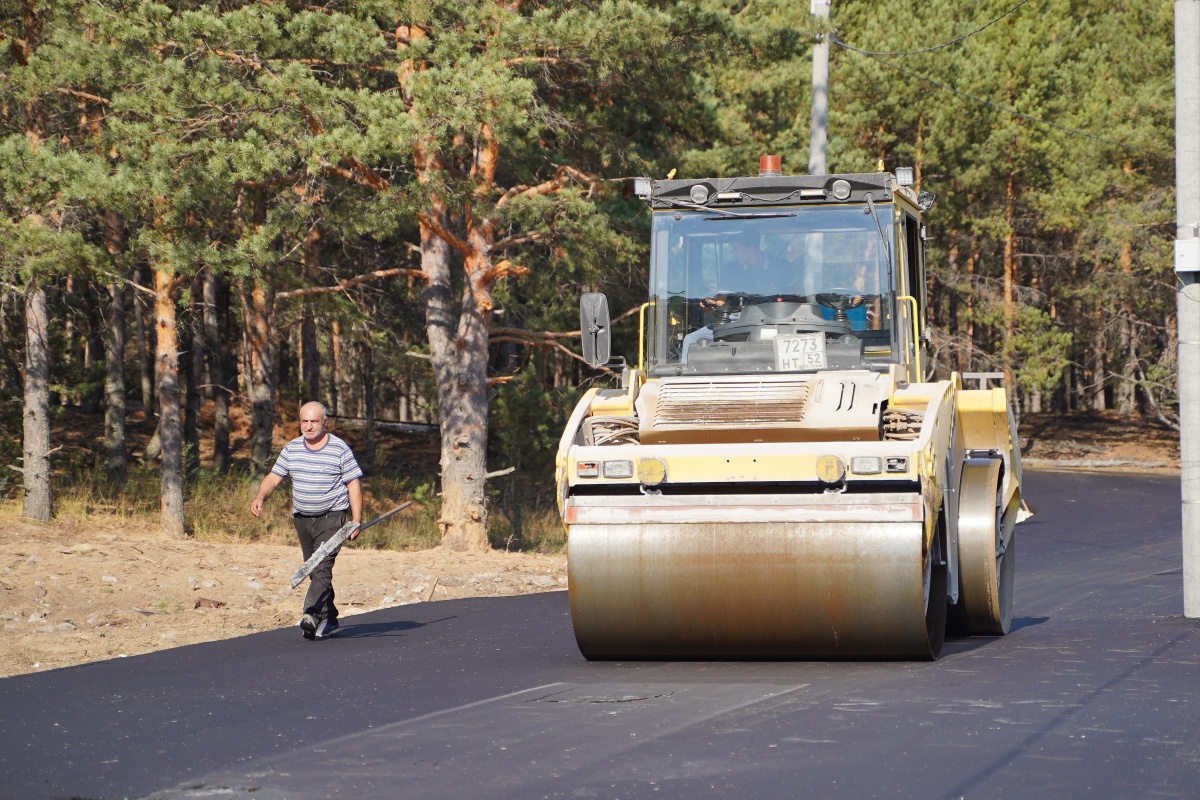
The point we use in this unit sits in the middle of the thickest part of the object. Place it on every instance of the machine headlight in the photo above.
(618, 469)
(840, 190)
(699, 193)
(866, 465)
(587, 469)
(897, 464)
(904, 176)
(641, 187)
(831, 469)
(652, 471)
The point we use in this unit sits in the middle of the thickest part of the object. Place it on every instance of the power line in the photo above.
(1007, 110)
(873, 53)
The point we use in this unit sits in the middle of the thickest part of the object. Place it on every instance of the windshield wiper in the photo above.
(747, 214)
(673, 203)
(887, 250)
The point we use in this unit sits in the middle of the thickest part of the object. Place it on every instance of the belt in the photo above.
(322, 514)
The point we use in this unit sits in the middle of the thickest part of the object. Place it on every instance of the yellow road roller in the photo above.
(777, 478)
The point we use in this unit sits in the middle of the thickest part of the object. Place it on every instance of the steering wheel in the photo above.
(723, 304)
(839, 300)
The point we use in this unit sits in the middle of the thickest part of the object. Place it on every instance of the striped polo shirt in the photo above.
(319, 477)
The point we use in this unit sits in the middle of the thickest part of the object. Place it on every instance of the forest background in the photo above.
(211, 212)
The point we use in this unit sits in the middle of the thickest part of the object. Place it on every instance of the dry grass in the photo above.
(217, 506)
(217, 510)
(541, 531)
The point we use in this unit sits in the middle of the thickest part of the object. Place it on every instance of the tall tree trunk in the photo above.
(1099, 352)
(7, 374)
(335, 366)
(36, 501)
(10, 378)
(145, 362)
(114, 384)
(310, 358)
(191, 414)
(114, 357)
(457, 356)
(1010, 270)
(284, 385)
(216, 316)
(969, 335)
(1126, 388)
(167, 373)
(262, 375)
(68, 331)
(953, 312)
(92, 340)
(368, 386)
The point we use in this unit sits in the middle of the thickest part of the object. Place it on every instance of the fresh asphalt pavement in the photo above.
(1089, 696)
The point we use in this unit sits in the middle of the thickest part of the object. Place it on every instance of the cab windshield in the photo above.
(792, 290)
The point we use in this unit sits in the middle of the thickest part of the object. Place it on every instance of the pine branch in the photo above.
(295, 177)
(521, 334)
(82, 95)
(562, 176)
(502, 270)
(342, 286)
(357, 173)
(519, 239)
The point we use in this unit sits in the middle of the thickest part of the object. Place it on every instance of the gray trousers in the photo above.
(312, 533)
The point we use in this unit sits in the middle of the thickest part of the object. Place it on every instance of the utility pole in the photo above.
(1187, 266)
(819, 130)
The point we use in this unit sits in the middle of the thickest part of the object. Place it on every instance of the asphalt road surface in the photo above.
(1091, 695)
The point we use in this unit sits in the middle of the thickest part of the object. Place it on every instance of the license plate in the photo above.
(800, 352)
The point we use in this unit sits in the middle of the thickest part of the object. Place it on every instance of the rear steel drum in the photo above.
(987, 550)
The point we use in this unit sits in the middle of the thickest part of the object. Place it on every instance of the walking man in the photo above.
(325, 486)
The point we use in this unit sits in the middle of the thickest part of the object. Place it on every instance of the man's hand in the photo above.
(264, 491)
(354, 489)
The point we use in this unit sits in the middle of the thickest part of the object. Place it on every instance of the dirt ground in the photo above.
(73, 592)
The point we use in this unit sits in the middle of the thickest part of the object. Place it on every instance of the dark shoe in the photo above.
(308, 626)
(327, 628)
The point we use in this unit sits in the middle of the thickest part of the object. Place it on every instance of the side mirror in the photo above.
(593, 324)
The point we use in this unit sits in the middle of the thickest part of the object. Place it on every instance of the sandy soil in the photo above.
(71, 594)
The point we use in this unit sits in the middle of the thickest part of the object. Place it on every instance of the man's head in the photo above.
(312, 421)
(745, 249)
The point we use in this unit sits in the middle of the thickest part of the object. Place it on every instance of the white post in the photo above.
(820, 95)
(1187, 262)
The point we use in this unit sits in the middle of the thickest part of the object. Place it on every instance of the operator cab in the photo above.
(780, 274)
